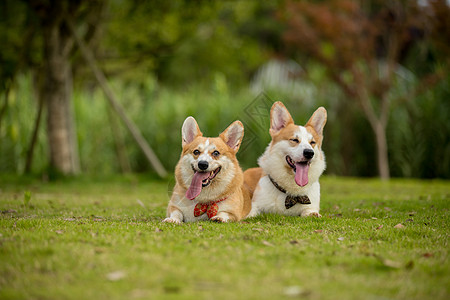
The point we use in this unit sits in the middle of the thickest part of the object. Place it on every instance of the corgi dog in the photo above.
(287, 181)
(209, 180)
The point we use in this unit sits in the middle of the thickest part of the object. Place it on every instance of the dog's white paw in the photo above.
(220, 219)
(313, 214)
(171, 220)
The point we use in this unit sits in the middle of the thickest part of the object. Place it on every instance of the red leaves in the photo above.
(340, 24)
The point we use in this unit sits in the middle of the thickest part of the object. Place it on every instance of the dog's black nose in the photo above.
(203, 165)
(308, 153)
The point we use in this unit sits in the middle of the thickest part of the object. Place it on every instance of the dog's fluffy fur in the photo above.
(287, 160)
(222, 179)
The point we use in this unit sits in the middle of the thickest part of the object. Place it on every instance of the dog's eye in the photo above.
(312, 143)
(295, 140)
(196, 152)
(216, 153)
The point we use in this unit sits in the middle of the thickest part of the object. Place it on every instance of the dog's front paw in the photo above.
(313, 214)
(220, 219)
(171, 220)
(224, 217)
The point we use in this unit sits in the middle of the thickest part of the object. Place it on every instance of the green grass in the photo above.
(103, 239)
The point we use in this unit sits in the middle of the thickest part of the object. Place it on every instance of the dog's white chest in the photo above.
(268, 199)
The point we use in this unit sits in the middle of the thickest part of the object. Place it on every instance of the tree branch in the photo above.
(135, 132)
(363, 97)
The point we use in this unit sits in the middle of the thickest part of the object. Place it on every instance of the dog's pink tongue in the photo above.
(301, 174)
(196, 185)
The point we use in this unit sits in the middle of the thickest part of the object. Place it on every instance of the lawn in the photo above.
(103, 239)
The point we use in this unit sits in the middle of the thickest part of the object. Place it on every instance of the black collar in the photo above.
(290, 200)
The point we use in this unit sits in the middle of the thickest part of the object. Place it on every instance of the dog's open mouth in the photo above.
(301, 169)
(292, 163)
(212, 175)
(199, 181)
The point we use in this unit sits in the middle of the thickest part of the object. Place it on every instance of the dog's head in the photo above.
(208, 165)
(295, 150)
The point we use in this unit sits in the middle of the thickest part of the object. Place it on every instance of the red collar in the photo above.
(220, 200)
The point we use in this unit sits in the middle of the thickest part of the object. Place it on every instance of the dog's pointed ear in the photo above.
(279, 118)
(233, 135)
(318, 120)
(190, 131)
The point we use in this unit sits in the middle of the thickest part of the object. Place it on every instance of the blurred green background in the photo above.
(225, 60)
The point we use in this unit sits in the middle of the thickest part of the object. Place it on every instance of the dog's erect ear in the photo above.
(279, 117)
(190, 131)
(318, 120)
(233, 135)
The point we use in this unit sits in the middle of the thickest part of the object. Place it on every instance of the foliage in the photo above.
(103, 239)
(159, 114)
(418, 145)
(182, 41)
(17, 31)
(362, 46)
(166, 60)
(421, 133)
(16, 128)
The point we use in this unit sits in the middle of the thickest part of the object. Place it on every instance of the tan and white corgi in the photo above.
(290, 167)
(209, 180)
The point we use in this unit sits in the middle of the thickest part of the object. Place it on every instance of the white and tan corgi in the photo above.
(209, 180)
(288, 181)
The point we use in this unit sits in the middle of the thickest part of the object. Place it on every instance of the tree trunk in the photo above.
(57, 97)
(377, 122)
(71, 124)
(382, 151)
